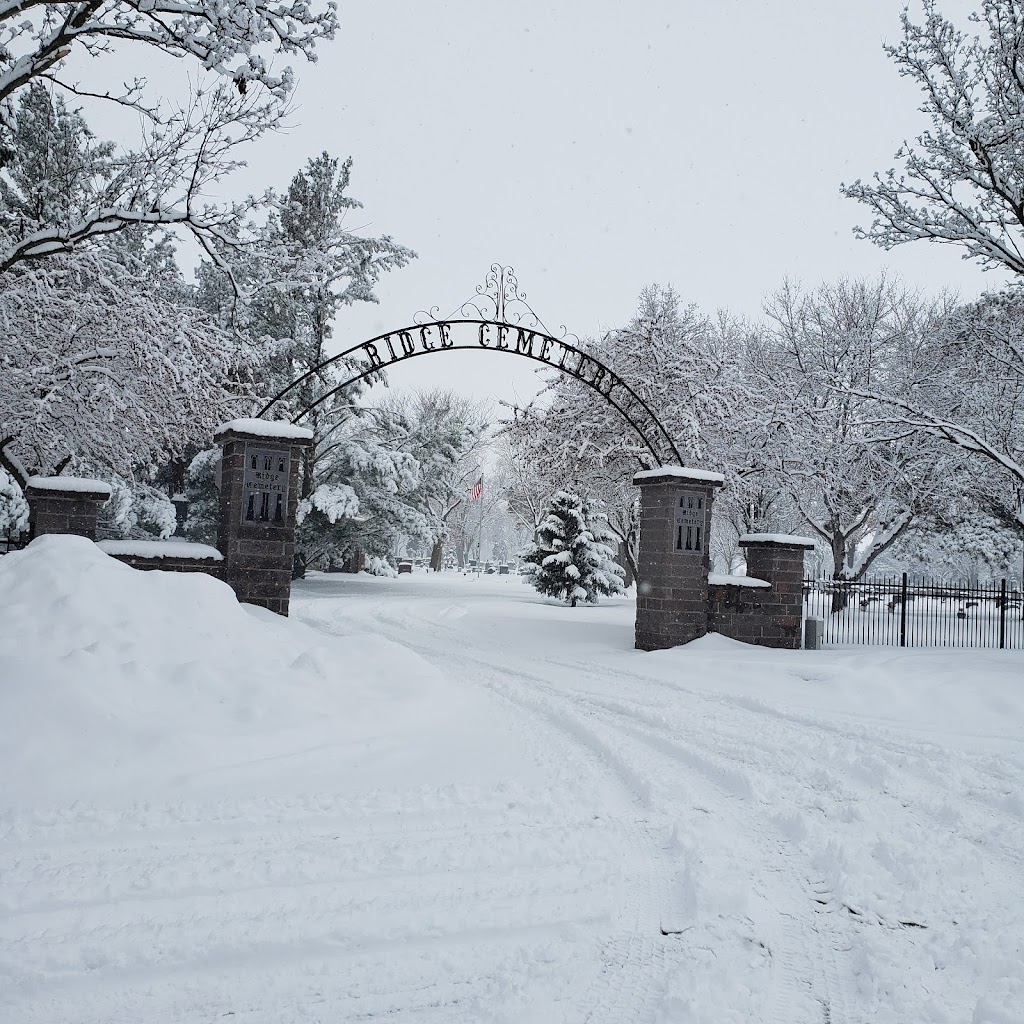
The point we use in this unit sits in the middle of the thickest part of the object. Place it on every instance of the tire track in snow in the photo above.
(634, 961)
(820, 977)
(802, 971)
(513, 903)
(807, 954)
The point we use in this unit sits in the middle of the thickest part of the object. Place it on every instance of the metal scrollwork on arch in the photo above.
(498, 299)
(503, 323)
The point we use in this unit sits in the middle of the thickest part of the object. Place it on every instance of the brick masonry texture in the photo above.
(672, 586)
(257, 556)
(68, 512)
(769, 618)
(674, 602)
(207, 565)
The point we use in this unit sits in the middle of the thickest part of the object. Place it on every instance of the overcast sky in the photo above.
(599, 145)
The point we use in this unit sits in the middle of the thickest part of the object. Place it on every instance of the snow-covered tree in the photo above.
(964, 384)
(101, 371)
(446, 434)
(963, 183)
(188, 143)
(572, 558)
(688, 369)
(962, 179)
(307, 267)
(13, 506)
(55, 167)
(856, 490)
(107, 362)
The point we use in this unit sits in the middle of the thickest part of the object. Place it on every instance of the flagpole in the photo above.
(480, 531)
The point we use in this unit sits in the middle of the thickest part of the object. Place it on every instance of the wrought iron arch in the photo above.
(495, 336)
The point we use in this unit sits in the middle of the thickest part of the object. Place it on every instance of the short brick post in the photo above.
(673, 563)
(259, 494)
(778, 559)
(64, 504)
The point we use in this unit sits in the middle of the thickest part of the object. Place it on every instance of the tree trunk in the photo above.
(840, 592)
(840, 595)
(627, 563)
(437, 555)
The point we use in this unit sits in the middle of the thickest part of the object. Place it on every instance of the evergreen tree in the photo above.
(57, 167)
(572, 557)
(307, 267)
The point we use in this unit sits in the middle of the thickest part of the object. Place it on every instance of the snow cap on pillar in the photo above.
(69, 486)
(782, 540)
(264, 430)
(678, 474)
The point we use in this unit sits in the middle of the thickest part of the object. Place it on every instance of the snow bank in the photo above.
(160, 549)
(115, 679)
(79, 484)
(265, 428)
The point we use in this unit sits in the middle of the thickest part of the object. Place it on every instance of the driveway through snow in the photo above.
(588, 834)
(730, 834)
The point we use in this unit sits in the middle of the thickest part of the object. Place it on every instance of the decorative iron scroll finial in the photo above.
(501, 287)
(500, 299)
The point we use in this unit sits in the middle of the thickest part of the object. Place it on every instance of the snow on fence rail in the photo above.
(899, 612)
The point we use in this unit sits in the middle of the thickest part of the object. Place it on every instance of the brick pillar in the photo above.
(672, 582)
(259, 494)
(779, 559)
(64, 504)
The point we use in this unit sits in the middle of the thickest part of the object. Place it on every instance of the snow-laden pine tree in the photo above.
(293, 286)
(572, 557)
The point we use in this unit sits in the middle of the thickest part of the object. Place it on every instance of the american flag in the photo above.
(477, 491)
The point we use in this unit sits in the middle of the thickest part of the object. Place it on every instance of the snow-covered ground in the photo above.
(440, 799)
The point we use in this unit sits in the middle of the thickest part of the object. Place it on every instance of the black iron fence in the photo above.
(11, 540)
(902, 612)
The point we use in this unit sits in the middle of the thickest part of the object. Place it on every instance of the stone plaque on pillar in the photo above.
(264, 485)
(672, 584)
(259, 483)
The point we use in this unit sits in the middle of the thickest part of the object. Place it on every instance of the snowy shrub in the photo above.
(573, 556)
(13, 506)
(379, 567)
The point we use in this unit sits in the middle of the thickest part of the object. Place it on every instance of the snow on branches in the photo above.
(100, 368)
(187, 145)
(965, 386)
(857, 490)
(225, 38)
(962, 181)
